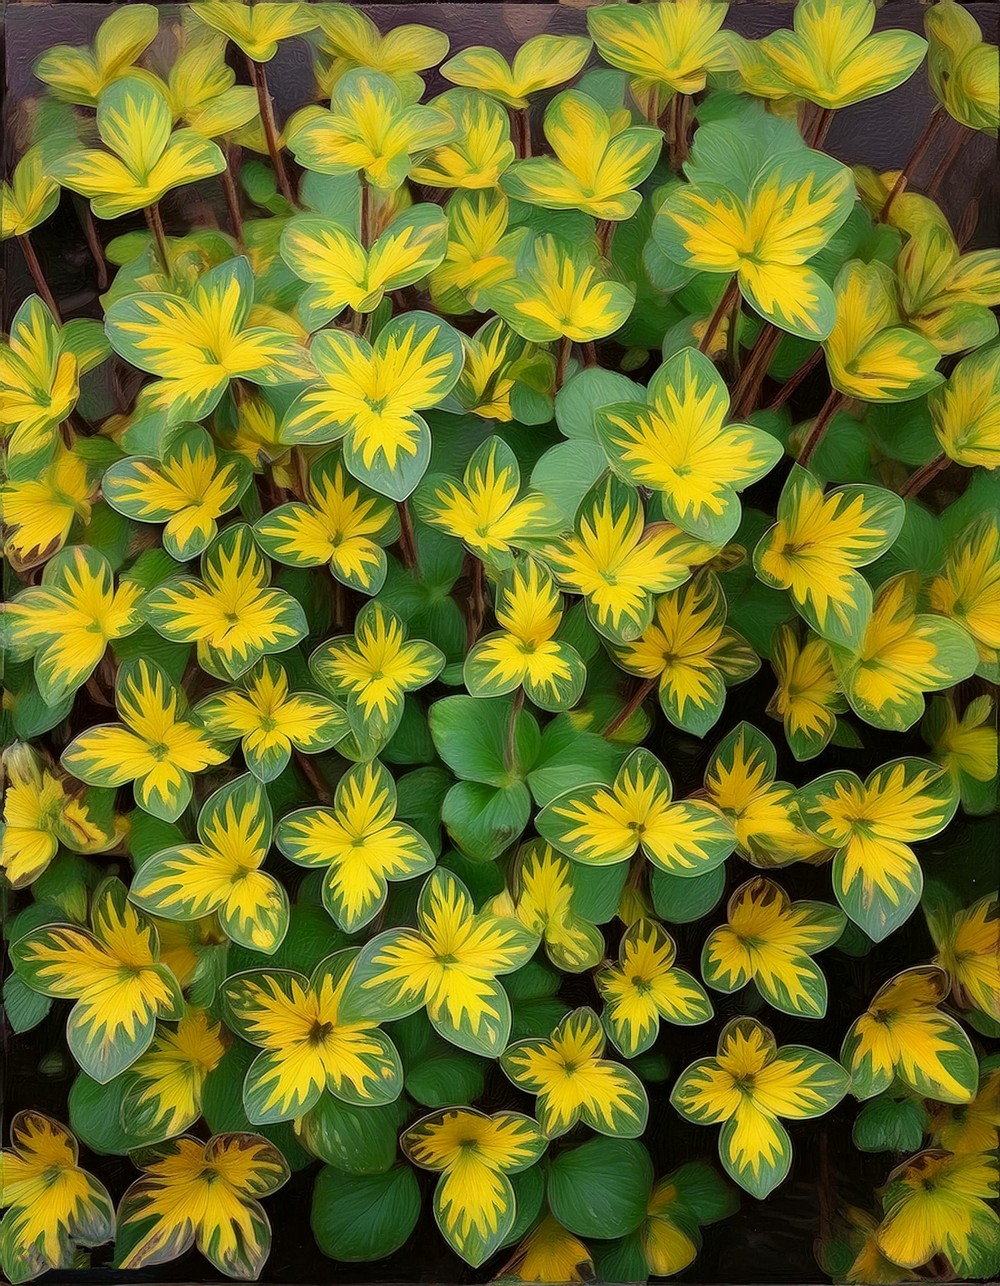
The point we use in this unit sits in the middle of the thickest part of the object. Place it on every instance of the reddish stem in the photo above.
(630, 707)
(795, 380)
(35, 268)
(155, 224)
(730, 296)
(947, 161)
(258, 78)
(916, 482)
(407, 538)
(935, 122)
(820, 425)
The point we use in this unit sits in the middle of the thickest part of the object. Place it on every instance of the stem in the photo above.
(95, 247)
(794, 380)
(605, 235)
(258, 78)
(733, 337)
(365, 216)
(755, 369)
(35, 268)
(729, 296)
(935, 122)
(590, 353)
(947, 161)
(681, 116)
(820, 425)
(477, 601)
(301, 472)
(510, 750)
(821, 127)
(232, 195)
(311, 774)
(407, 539)
(562, 360)
(523, 118)
(155, 223)
(630, 707)
(916, 482)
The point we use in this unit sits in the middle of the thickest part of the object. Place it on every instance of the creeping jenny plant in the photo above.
(500, 640)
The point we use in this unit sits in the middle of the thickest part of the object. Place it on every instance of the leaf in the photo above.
(600, 1188)
(360, 1217)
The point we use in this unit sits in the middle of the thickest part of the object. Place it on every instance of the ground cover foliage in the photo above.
(501, 633)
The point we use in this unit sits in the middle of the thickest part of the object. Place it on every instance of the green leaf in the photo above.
(357, 1218)
(601, 1188)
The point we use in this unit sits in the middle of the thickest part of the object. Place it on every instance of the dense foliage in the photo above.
(503, 602)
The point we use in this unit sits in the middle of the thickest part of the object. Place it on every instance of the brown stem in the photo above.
(95, 247)
(681, 129)
(935, 122)
(562, 360)
(232, 195)
(477, 601)
(510, 750)
(258, 78)
(523, 118)
(755, 369)
(795, 380)
(630, 707)
(733, 337)
(726, 302)
(301, 472)
(916, 482)
(820, 425)
(155, 224)
(947, 161)
(365, 215)
(407, 538)
(589, 353)
(35, 268)
(821, 127)
(311, 774)
(605, 235)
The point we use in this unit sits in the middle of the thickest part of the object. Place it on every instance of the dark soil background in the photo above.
(768, 1242)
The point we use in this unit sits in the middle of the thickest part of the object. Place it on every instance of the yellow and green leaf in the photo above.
(371, 128)
(572, 1081)
(797, 202)
(747, 1088)
(257, 29)
(223, 873)
(617, 563)
(231, 613)
(599, 161)
(870, 354)
(545, 891)
(479, 151)
(543, 62)
(601, 825)
(560, 290)
(832, 57)
(903, 654)
(525, 652)
(271, 720)
(67, 621)
(449, 964)
(816, 546)
(768, 939)
(164, 1085)
(968, 588)
(188, 490)
(307, 1045)
(486, 509)
(474, 1202)
(355, 41)
(29, 198)
(371, 396)
(114, 975)
(341, 273)
(142, 159)
(198, 345)
(157, 746)
(360, 844)
(903, 1034)
(81, 74)
(808, 697)
(53, 1205)
(690, 652)
(645, 986)
(680, 445)
(946, 295)
(201, 1194)
(871, 824)
(965, 410)
(371, 671)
